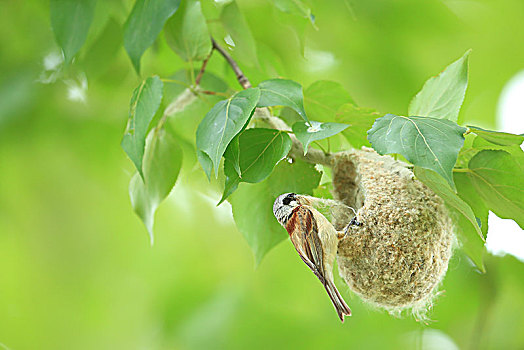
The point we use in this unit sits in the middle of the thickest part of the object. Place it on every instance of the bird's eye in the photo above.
(286, 201)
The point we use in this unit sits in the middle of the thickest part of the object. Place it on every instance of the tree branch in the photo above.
(242, 79)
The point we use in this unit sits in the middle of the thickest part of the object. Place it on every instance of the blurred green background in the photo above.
(76, 269)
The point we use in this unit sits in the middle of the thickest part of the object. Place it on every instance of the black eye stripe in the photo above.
(286, 201)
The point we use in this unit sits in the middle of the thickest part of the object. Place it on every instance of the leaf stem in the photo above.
(461, 170)
(179, 82)
(320, 146)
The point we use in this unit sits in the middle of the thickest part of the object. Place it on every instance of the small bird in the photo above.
(315, 239)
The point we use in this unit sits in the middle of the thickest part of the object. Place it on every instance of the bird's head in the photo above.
(284, 205)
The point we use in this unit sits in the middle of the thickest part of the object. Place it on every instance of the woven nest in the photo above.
(399, 255)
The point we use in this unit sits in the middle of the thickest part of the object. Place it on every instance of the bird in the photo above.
(315, 240)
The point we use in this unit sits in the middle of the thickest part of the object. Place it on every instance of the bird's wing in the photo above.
(303, 231)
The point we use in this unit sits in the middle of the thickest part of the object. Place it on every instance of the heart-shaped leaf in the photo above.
(253, 156)
(144, 104)
(498, 177)
(468, 229)
(143, 25)
(282, 92)
(162, 162)
(186, 32)
(70, 20)
(252, 204)
(317, 131)
(427, 142)
(323, 98)
(442, 96)
(223, 122)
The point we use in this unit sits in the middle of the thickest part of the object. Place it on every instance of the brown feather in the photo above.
(303, 232)
(292, 222)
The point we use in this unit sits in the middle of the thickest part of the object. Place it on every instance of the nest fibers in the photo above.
(399, 255)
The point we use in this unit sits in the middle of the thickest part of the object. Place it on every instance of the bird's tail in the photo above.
(338, 302)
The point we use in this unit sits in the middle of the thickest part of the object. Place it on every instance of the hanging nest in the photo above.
(398, 256)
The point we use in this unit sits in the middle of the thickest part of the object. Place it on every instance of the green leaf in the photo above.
(143, 25)
(296, 29)
(295, 7)
(467, 151)
(206, 162)
(479, 143)
(499, 179)
(237, 27)
(442, 96)
(361, 120)
(162, 162)
(323, 98)
(226, 119)
(472, 197)
(252, 204)
(99, 56)
(70, 20)
(282, 92)
(260, 150)
(232, 154)
(497, 137)
(187, 34)
(144, 104)
(253, 156)
(515, 150)
(427, 142)
(467, 227)
(317, 131)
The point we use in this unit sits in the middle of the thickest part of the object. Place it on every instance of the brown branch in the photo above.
(242, 79)
(203, 68)
(207, 92)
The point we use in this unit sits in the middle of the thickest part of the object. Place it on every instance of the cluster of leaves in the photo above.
(154, 150)
(486, 173)
(472, 169)
(182, 22)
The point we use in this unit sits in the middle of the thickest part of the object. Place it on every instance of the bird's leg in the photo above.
(353, 222)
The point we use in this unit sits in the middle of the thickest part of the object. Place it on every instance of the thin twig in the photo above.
(207, 92)
(203, 68)
(242, 79)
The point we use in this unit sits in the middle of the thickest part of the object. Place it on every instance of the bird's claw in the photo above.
(353, 222)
